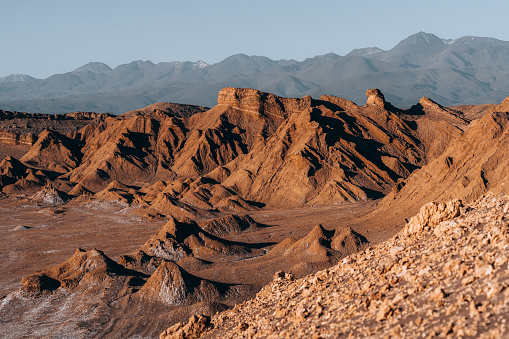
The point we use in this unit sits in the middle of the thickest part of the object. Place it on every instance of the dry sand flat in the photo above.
(96, 303)
(41, 236)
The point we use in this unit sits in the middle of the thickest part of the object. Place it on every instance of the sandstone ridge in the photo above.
(252, 149)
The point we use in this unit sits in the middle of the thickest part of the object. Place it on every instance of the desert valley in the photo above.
(263, 216)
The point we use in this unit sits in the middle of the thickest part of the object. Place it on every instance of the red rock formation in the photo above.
(470, 167)
(91, 269)
(172, 285)
(54, 151)
(167, 109)
(375, 97)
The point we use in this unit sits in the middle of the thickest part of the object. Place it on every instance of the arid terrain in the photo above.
(444, 275)
(124, 226)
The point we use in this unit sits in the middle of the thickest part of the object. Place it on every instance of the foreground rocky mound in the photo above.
(85, 269)
(184, 239)
(444, 275)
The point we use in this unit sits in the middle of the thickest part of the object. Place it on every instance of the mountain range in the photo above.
(468, 70)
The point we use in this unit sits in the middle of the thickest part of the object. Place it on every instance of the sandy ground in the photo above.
(35, 237)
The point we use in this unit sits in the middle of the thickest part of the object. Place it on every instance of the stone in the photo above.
(196, 326)
(384, 312)
(375, 97)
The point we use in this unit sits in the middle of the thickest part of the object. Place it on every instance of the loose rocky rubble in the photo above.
(445, 274)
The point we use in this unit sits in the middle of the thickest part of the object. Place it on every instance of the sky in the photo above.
(41, 38)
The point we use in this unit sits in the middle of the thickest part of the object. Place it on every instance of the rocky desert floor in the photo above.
(444, 275)
(35, 236)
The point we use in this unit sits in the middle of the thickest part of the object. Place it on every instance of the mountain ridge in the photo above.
(451, 72)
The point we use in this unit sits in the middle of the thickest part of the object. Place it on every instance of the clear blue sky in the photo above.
(41, 38)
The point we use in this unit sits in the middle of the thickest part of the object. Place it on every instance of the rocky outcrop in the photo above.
(13, 168)
(254, 101)
(167, 109)
(320, 244)
(503, 107)
(193, 329)
(15, 138)
(345, 104)
(180, 239)
(171, 285)
(375, 97)
(311, 158)
(54, 151)
(88, 269)
(229, 224)
(426, 102)
(16, 177)
(443, 113)
(431, 215)
(348, 241)
(28, 125)
(253, 149)
(50, 197)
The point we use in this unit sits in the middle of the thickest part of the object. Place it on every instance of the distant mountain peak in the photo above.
(466, 70)
(419, 39)
(427, 37)
(365, 51)
(96, 67)
(141, 62)
(332, 56)
(16, 77)
(238, 56)
(328, 56)
(201, 64)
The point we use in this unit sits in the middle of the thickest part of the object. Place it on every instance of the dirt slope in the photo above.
(474, 164)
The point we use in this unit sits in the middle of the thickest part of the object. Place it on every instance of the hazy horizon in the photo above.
(58, 36)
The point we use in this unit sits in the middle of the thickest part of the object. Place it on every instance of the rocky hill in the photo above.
(251, 149)
(467, 70)
(469, 167)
